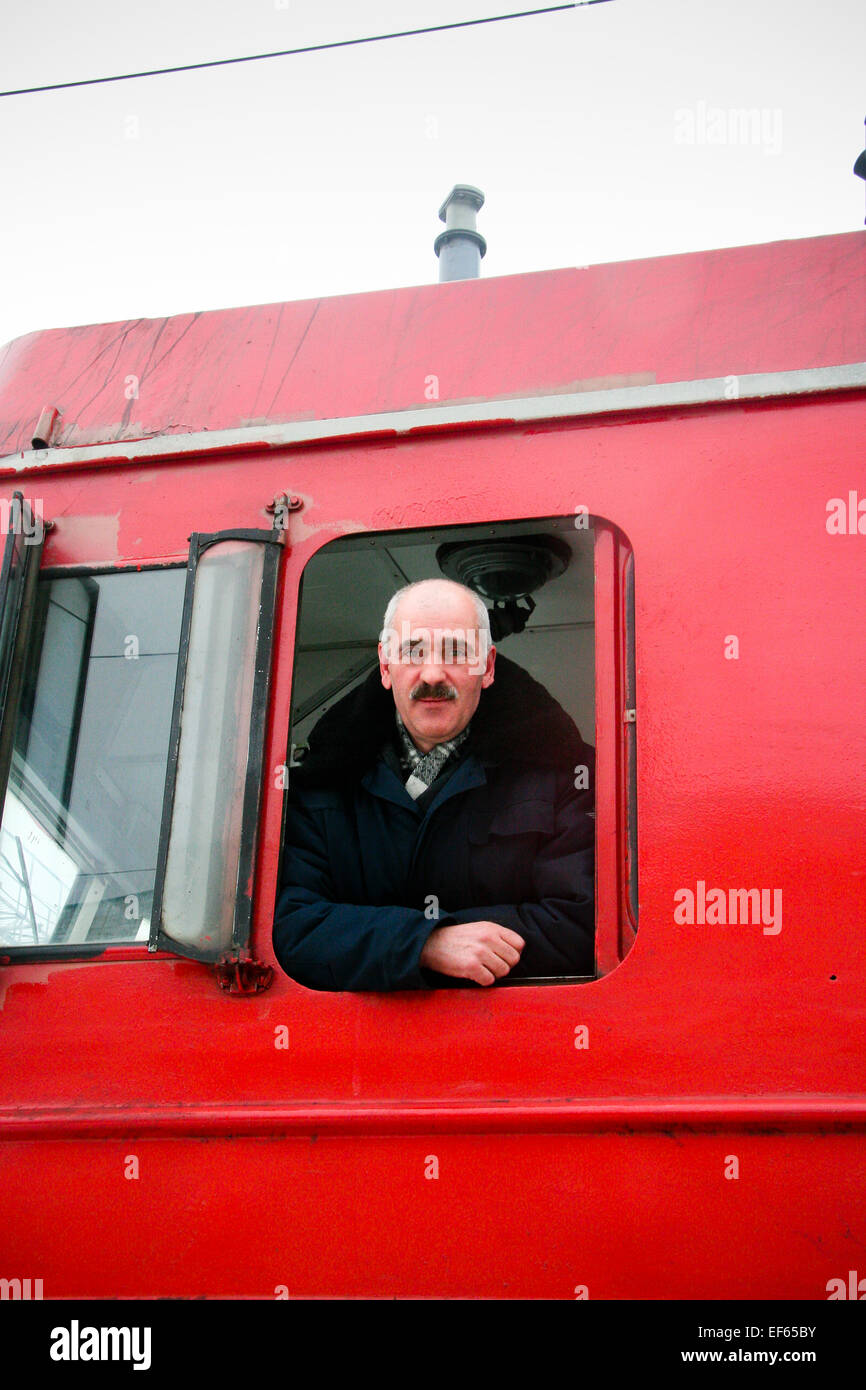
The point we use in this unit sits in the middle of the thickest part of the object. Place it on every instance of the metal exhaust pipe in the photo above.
(461, 246)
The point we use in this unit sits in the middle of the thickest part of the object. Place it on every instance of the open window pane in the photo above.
(207, 850)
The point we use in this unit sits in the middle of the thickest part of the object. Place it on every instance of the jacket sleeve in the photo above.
(558, 923)
(329, 945)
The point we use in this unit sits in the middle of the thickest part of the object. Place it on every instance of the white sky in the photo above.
(595, 135)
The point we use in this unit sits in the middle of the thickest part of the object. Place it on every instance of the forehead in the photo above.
(437, 607)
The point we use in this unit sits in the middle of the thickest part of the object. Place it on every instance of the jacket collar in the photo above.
(381, 780)
(517, 722)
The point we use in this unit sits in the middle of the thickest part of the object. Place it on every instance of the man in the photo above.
(434, 836)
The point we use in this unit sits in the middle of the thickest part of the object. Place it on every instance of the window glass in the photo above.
(80, 826)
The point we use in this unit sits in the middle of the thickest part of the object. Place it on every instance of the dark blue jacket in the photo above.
(501, 836)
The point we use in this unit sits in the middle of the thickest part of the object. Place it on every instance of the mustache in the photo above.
(433, 692)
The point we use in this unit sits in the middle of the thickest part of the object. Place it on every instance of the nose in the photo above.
(432, 672)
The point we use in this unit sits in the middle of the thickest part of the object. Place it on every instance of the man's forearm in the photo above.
(343, 946)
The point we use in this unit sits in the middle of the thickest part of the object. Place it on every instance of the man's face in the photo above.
(432, 662)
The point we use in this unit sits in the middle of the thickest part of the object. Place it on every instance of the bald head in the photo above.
(467, 610)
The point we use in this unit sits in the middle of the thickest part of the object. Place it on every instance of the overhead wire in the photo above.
(294, 52)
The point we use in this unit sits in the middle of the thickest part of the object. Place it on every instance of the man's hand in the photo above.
(479, 951)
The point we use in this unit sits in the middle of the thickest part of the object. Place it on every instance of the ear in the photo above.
(487, 678)
(384, 668)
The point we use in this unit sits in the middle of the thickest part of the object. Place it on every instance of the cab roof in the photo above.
(772, 307)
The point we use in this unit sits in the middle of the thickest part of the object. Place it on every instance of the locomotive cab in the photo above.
(201, 543)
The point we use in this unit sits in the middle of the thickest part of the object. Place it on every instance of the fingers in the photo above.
(506, 944)
(497, 963)
(509, 954)
(482, 976)
(498, 959)
(498, 951)
(512, 938)
(487, 967)
(483, 952)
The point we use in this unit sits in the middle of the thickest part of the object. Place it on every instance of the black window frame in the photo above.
(74, 950)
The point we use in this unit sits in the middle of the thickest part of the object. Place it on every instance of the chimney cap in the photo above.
(462, 193)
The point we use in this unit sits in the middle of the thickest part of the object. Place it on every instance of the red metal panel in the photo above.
(749, 775)
(621, 1216)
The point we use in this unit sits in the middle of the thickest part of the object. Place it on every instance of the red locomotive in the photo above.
(206, 516)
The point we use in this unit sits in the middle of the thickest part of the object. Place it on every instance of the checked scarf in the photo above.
(424, 768)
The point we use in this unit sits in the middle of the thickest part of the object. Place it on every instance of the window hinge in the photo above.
(282, 504)
(629, 716)
(244, 976)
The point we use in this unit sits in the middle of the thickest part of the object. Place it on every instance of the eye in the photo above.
(414, 652)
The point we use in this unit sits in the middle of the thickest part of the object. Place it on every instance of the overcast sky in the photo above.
(610, 132)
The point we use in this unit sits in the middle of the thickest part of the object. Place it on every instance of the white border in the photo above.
(490, 411)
